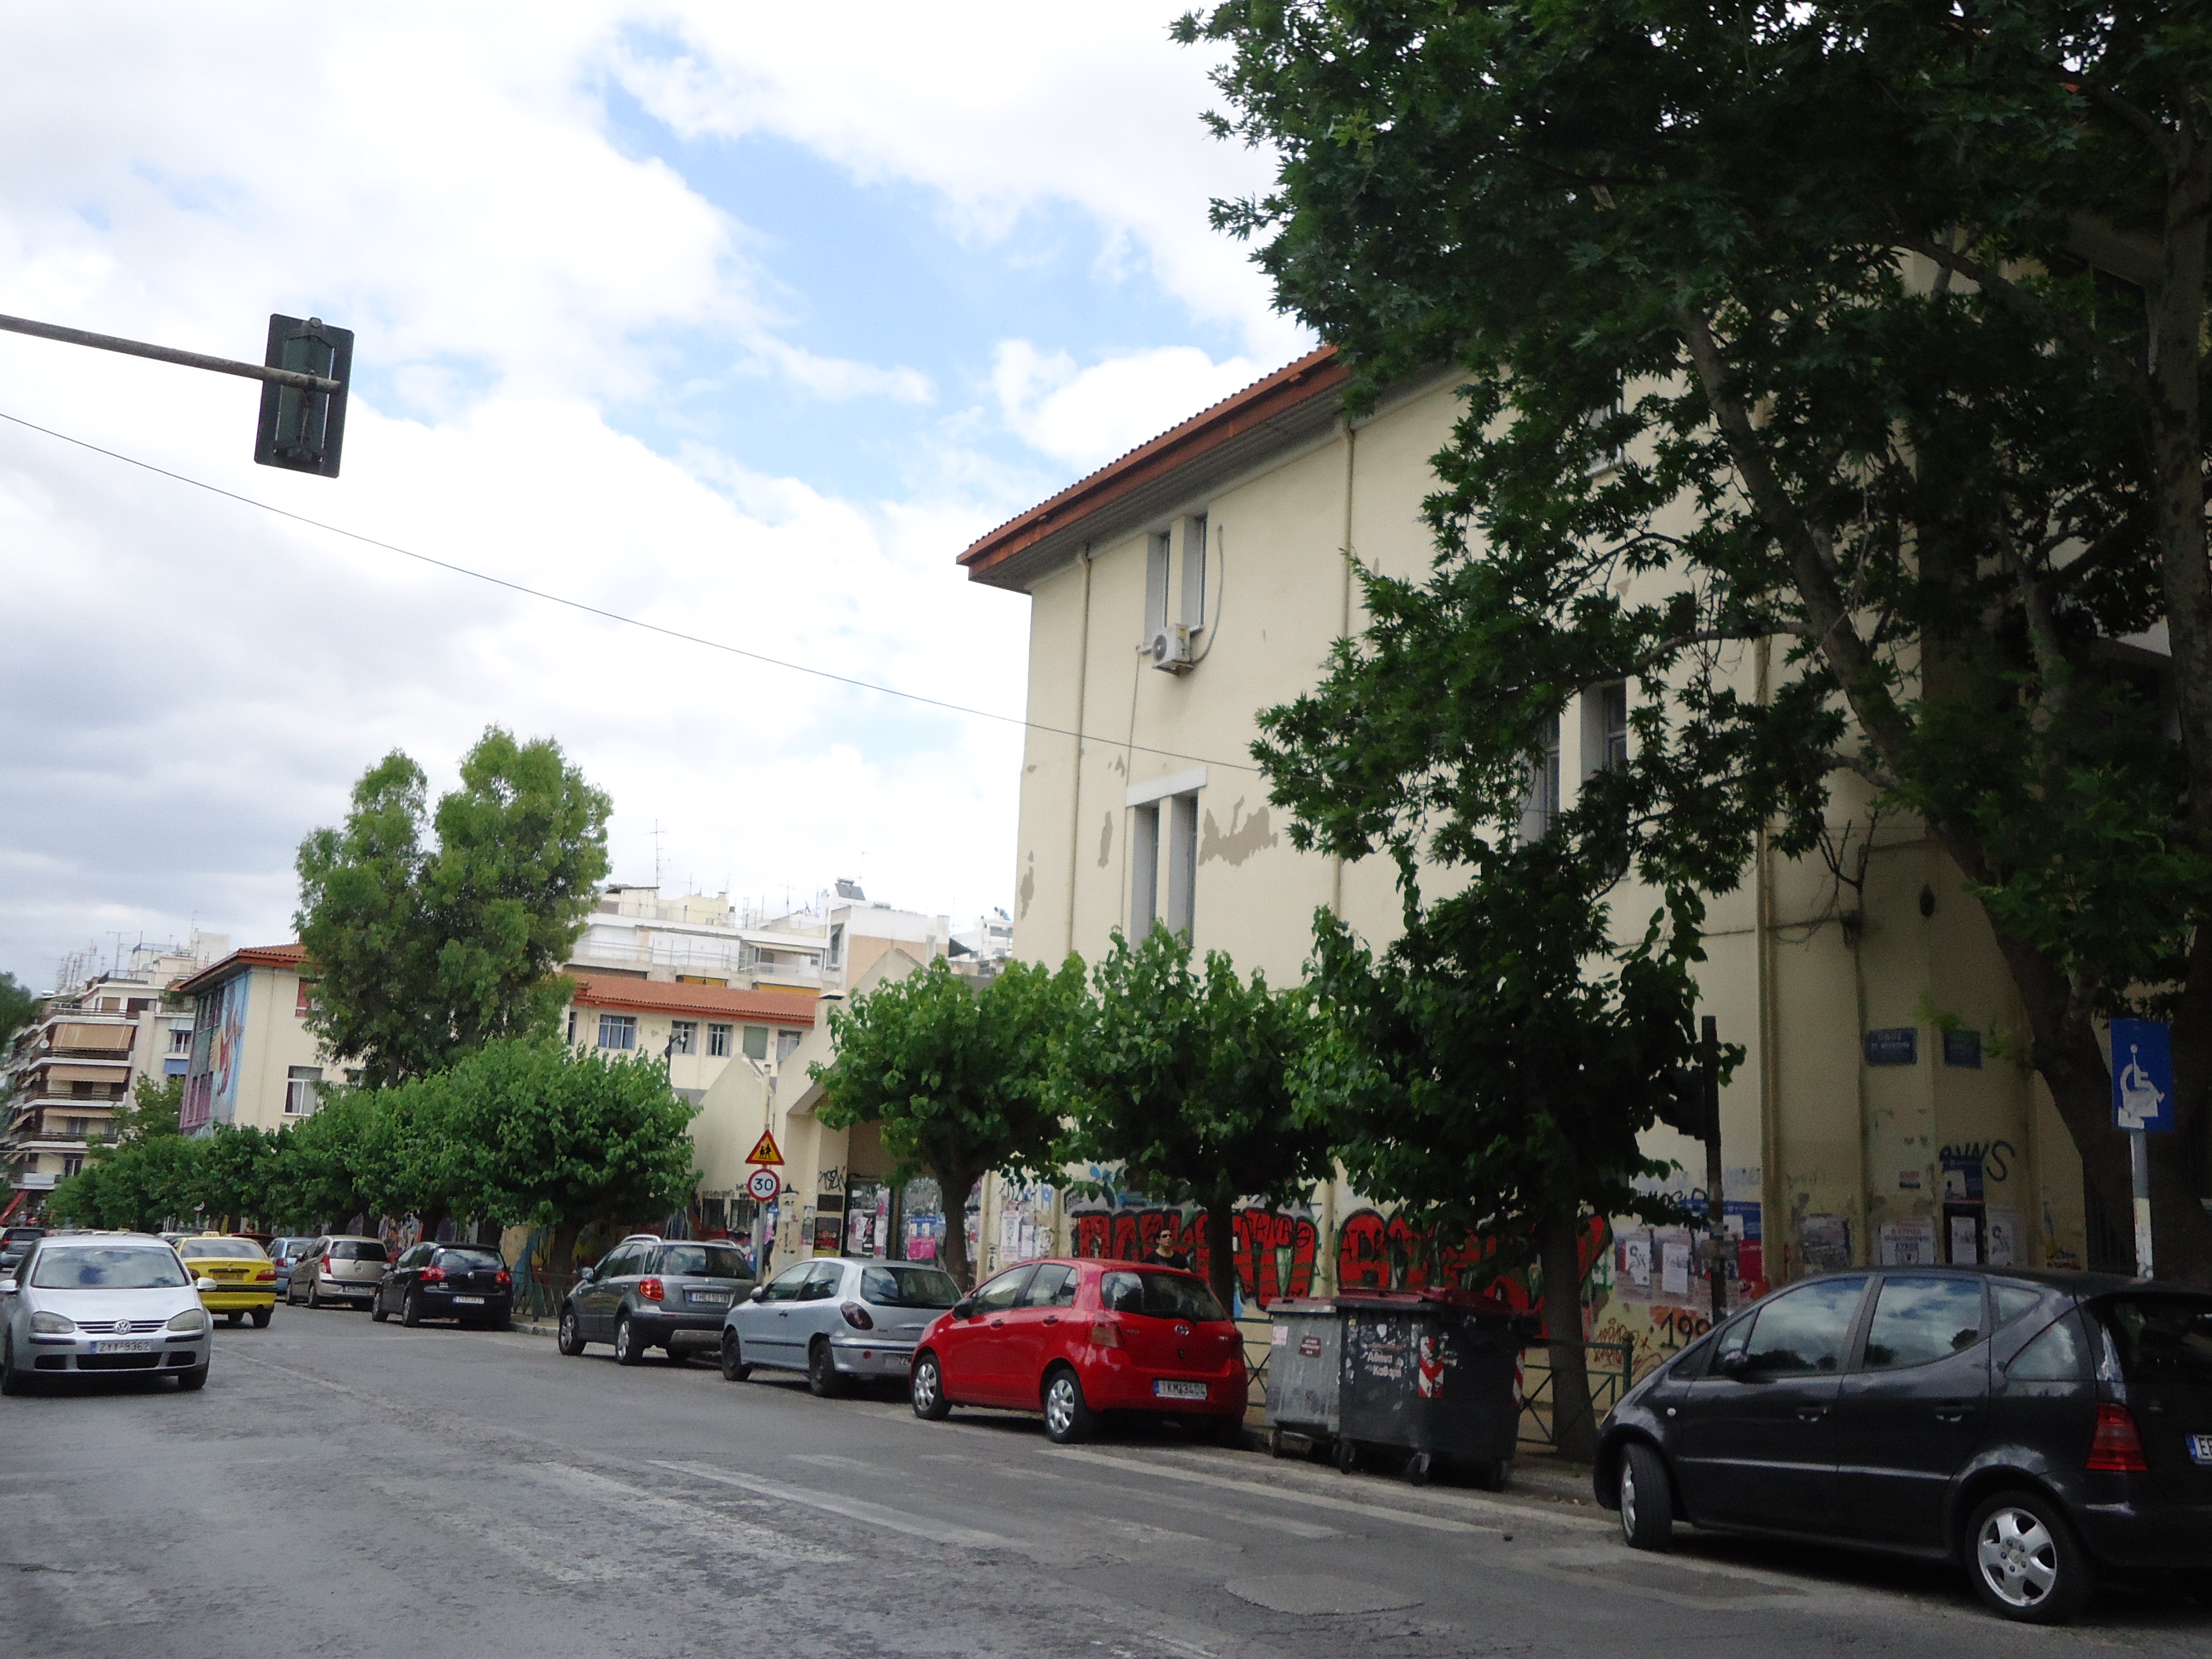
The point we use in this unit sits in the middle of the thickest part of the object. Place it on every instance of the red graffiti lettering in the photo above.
(1275, 1254)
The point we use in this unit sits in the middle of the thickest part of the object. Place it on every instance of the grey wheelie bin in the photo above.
(1431, 1373)
(1306, 1369)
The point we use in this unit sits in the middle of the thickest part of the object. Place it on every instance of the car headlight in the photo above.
(52, 1324)
(192, 1319)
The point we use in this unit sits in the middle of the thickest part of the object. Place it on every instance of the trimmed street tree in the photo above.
(1186, 1081)
(425, 952)
(1866, 343)
(146, 1175)
(958, 1076)
(1478, 1074)
(19, 1005)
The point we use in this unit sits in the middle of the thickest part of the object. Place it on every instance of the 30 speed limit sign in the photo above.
(764, 1185)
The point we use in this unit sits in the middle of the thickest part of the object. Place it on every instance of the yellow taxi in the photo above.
(245, 1277)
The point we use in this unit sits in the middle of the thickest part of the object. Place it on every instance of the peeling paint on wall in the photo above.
(1028, 888)
(1241, 841)
(1105, 840)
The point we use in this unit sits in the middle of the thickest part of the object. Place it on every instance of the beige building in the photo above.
(1201, 578)
(253, 1059)
(70, 1069)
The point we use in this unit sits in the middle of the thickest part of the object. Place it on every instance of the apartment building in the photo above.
(253, 1059)
(70, 1069)
(704, 938)
(1203, 577)
(700, 1030)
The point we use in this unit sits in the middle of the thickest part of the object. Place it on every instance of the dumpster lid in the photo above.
(1435, 1296)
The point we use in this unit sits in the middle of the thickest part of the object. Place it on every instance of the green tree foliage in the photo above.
(1860, 343)
(426, 951)
(234, 1169)
(1186, 1079)
(19, 1005)
(958, 1076)
(1479, 1072)
(146, 1173)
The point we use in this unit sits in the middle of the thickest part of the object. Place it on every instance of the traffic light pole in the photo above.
(287, 377)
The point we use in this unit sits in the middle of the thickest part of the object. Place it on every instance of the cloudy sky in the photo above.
(744, 320)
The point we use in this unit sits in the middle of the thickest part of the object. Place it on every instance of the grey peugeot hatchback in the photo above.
(2037, 1428)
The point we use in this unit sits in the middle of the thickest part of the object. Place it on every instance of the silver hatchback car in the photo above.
(81, 1303)
(835, 1318)
(338, 1268)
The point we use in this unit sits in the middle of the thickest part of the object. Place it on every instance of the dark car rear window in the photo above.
(703, 1262)
(471, 1260)
(346, 1249)
(908, 1287)
(2162, 1337)
(1162, 1296)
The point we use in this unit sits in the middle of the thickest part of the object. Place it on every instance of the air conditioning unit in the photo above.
(1171, 648)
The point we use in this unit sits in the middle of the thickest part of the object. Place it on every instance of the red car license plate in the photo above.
(1164, 1389)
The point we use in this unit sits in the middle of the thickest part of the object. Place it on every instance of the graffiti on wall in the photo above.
(1274, 1253)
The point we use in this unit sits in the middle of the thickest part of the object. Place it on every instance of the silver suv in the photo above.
(653, 1292)
(338, 1268)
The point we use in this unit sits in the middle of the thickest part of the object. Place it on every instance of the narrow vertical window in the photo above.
(1156, 588)
(1193, 572)
(1613, 724)
(1540, 806)
(1143, 869)
(1179, 848)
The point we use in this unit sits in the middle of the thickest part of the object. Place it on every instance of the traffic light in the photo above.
(1684, 1107)
(301, 429)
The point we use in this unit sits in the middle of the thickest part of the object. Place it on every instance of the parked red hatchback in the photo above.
(1073, 1339)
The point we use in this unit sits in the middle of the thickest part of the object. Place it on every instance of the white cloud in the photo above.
(1088, 416)
(190, 684)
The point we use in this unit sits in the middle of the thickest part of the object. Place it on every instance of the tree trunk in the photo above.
(1221, 1252)
(953, 1186)
(1559, 1240)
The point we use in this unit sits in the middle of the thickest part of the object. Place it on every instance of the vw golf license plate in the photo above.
(473, 1301)
(1164, 1389)
(2200, 1450)
(123, 1347)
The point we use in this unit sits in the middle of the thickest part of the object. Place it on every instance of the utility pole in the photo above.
(303, 382)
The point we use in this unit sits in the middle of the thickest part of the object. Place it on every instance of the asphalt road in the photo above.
(348, 1489)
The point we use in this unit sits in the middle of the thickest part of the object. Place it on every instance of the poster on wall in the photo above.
(1910, 1244)
(1824, 1242)
(2003, 1238)
(1965, 1242)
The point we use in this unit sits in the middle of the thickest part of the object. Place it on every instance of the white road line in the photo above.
(1282, 1523)
(853, 1508)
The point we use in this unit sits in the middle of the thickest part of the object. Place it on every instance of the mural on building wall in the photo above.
(218, 1049)
(1275, 1251)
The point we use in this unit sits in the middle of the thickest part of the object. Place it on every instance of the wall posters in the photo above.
(1909, 1244)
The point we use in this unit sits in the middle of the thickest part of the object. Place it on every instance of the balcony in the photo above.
(35, 1181)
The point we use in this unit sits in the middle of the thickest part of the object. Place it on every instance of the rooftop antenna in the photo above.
(656, 856)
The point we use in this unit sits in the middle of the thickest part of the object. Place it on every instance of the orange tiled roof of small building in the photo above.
(252, 956)
(661, 997)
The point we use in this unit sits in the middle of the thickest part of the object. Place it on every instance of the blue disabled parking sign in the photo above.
(2142, 1075)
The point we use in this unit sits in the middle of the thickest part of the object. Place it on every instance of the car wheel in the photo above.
(12, 1380)
(1067, 1415)
(2024, 1563)
(411, 1311)
(377, 1311)
(1647, 1499)
(733, 1358)
(571, 1339)
(195, 1378)
(262, 1316)
(628, 1351)
(821, 1379)
(928, 1390)
(235, 1318)
(1417, 1468)
(314, 1297)
(1347, 1454)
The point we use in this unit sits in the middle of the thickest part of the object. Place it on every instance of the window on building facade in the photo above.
(176, 1064)
(73, 1129)
(1156, 588)
(1540, 806)
(1605, 727)
(572, 1025)
(785, 1043)
(756, 1042)
(303, 1090)
(305, 1001)
(1163, 864)
(617, 1032)
(1193, 572)
(837, 945)
(683, 1036)
(73, 1163)
(181, 1039)
(717, 1041)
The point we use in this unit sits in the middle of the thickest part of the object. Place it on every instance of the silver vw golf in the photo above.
(82, 1304)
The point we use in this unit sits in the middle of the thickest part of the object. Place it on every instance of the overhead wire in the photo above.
(613, 616)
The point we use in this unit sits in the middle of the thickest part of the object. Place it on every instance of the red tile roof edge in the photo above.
(252, 956)
(661, 996)
(1312, 375)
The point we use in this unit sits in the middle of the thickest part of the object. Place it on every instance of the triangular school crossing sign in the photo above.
(764, 1150)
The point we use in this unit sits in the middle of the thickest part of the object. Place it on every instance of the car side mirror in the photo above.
(1735, 1363)
(7, 1287)
(586, 1275)
(964, 1308)
(759, 1294)
(204, 1283)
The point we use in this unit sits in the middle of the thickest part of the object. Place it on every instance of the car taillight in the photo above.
(265, 1272)
(1105, 1333)
(651, 1289)
(434, 1275)
(2116, 1445)
(856, 1316)
(505, 1278)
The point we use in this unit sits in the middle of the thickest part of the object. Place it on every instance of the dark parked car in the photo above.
(649, 1292)
(15, 1243)
(2034, 1427)
(467, 1282)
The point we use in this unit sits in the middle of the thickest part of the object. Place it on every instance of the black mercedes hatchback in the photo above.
(2037, 1428)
